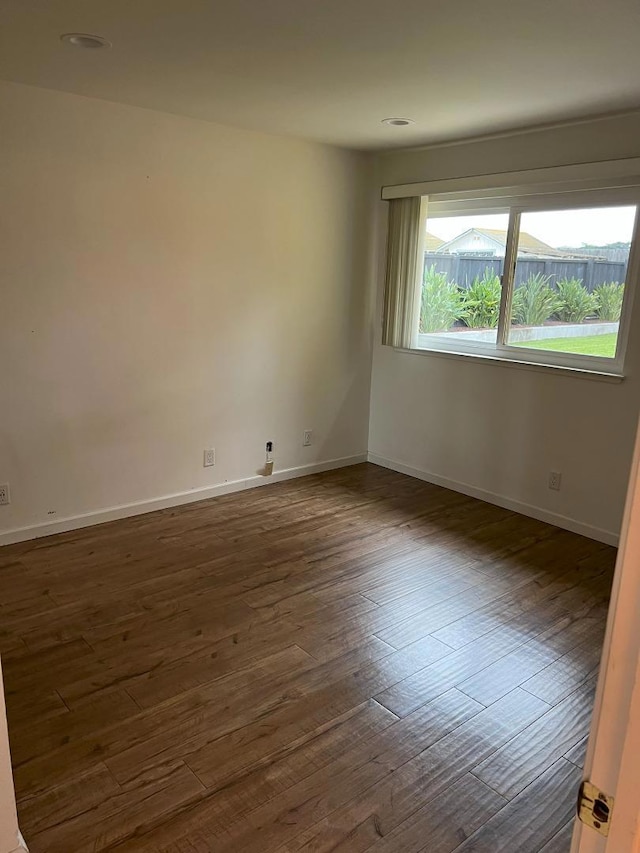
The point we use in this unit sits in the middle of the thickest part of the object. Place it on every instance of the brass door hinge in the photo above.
(595, 808)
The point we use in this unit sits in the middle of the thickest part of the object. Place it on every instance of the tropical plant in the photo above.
(576, 303)
(481, 302)
(609, 301)
(534, 301)
(441, 302)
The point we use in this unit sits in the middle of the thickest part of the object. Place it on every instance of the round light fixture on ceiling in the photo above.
(397, 122)
(85, 40)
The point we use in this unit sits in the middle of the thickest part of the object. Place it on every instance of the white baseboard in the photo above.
(75, 522)
(63, 525)
(539, 513)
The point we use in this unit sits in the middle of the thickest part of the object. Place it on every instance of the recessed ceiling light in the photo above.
(85, 40)
(397, 122)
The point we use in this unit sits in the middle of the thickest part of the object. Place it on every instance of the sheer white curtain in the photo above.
(401, 293)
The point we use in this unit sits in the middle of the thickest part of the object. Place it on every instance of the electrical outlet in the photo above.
(555, 480)
(307, 437)
(5, 497)
(209, 457)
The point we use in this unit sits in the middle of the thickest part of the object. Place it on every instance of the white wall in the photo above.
(167, 285)
(493, 430)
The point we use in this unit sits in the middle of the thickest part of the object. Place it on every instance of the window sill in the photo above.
(521, 364)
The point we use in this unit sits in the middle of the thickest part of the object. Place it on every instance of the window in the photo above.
(462, 279)
(568, 297)
(542, 279)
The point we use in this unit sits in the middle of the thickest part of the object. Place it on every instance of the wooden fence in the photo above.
(464, 268)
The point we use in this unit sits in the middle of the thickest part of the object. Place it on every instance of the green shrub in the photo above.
(441, 302)
(576, 303)
(534, 301)
(609, 301)
(481, 302)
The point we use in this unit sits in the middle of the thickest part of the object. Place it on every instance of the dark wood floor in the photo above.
(350, 661)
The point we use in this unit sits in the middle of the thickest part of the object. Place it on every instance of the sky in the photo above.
(575, 228)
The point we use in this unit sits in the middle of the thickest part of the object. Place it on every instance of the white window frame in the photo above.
(609, 184)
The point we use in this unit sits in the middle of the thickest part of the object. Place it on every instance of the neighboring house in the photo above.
(491, 242)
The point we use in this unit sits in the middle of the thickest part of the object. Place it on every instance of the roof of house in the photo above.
(432, 243)
(527, 243)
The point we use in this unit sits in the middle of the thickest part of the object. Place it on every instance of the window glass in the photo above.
(461, 281)
(569, 280)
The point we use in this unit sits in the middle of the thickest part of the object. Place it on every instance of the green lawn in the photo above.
(602, 345)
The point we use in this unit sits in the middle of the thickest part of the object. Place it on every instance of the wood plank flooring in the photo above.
(351, 661)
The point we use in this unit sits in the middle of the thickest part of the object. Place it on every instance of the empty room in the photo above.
(318, 406)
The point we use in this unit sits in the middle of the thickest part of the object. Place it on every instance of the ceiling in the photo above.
(331, 70)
